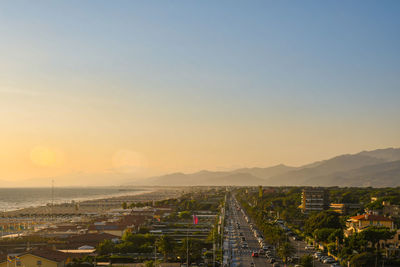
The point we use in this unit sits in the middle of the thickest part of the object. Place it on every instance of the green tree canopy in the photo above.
(364, 259)
(374, 234)
(306, 261)
(106, 247)
(285, 250)
(166, 245)
(324, 219)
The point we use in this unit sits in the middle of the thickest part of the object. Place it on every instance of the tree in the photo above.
(323, 234)
(166, 245)
(285, 250)
(136, 243)
(364, 259)
(185, 215)
(106, 247)
(306, 261)
(375, 234)
(195, 249)
(124, 205)
(324, 219)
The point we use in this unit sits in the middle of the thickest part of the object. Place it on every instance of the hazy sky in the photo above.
(149, 87)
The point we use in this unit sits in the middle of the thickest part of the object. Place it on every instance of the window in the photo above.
(39, 263)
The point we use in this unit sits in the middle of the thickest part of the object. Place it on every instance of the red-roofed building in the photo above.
(359, 223)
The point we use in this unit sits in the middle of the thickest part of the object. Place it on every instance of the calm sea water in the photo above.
(17, 198)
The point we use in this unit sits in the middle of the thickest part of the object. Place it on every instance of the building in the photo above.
(359, 223)
(37, 258)
(344, 208)
(391, 210)
(92, 240)
(314, 199)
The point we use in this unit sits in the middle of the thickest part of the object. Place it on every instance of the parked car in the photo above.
(317, 254)
(254, 254)
(329, 260)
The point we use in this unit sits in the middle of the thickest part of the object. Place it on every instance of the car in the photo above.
(329, 260)
(308, 247)
(254, 254)
(272, 260)
(252, 264)
(322, 258)
(276, 264)
(336, 265)
(317, 254)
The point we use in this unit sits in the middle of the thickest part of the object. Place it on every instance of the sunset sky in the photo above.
(151, 87)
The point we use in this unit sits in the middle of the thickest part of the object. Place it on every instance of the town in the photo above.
(212, 226)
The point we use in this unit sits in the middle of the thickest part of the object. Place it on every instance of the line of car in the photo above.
(265, 250)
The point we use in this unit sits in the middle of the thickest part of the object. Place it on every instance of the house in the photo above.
(92, 240)
(37, 258)
(359, 223)
(391, 210)
(111, 228)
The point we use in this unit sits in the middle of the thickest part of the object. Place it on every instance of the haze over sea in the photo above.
(17, 198)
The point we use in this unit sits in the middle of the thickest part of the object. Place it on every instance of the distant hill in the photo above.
(380, 175)
(336, 164)
(266, 173)
(205, 178)
(376, 168)
(388, 154)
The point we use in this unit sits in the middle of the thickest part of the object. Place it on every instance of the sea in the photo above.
(18, 198)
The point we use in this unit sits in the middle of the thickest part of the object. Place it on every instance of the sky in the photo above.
(143, 88)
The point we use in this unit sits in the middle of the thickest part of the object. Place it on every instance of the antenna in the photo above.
(52, 198)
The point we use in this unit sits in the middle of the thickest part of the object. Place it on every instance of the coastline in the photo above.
(64, 200)
(91, 205)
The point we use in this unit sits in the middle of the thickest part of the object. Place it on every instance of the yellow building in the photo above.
(359, 223)
(37, 258)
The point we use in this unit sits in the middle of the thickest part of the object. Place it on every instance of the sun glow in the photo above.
(43, 156)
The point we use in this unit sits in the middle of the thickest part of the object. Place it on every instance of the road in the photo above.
(238, 227)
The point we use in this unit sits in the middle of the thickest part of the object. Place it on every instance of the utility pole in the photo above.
(214, 247)
(155, 254)
(52, 199)
(187, 247)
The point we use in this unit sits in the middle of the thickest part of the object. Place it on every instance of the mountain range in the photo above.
(377, 168)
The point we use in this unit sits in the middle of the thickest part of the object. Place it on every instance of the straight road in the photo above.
(237, 228)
